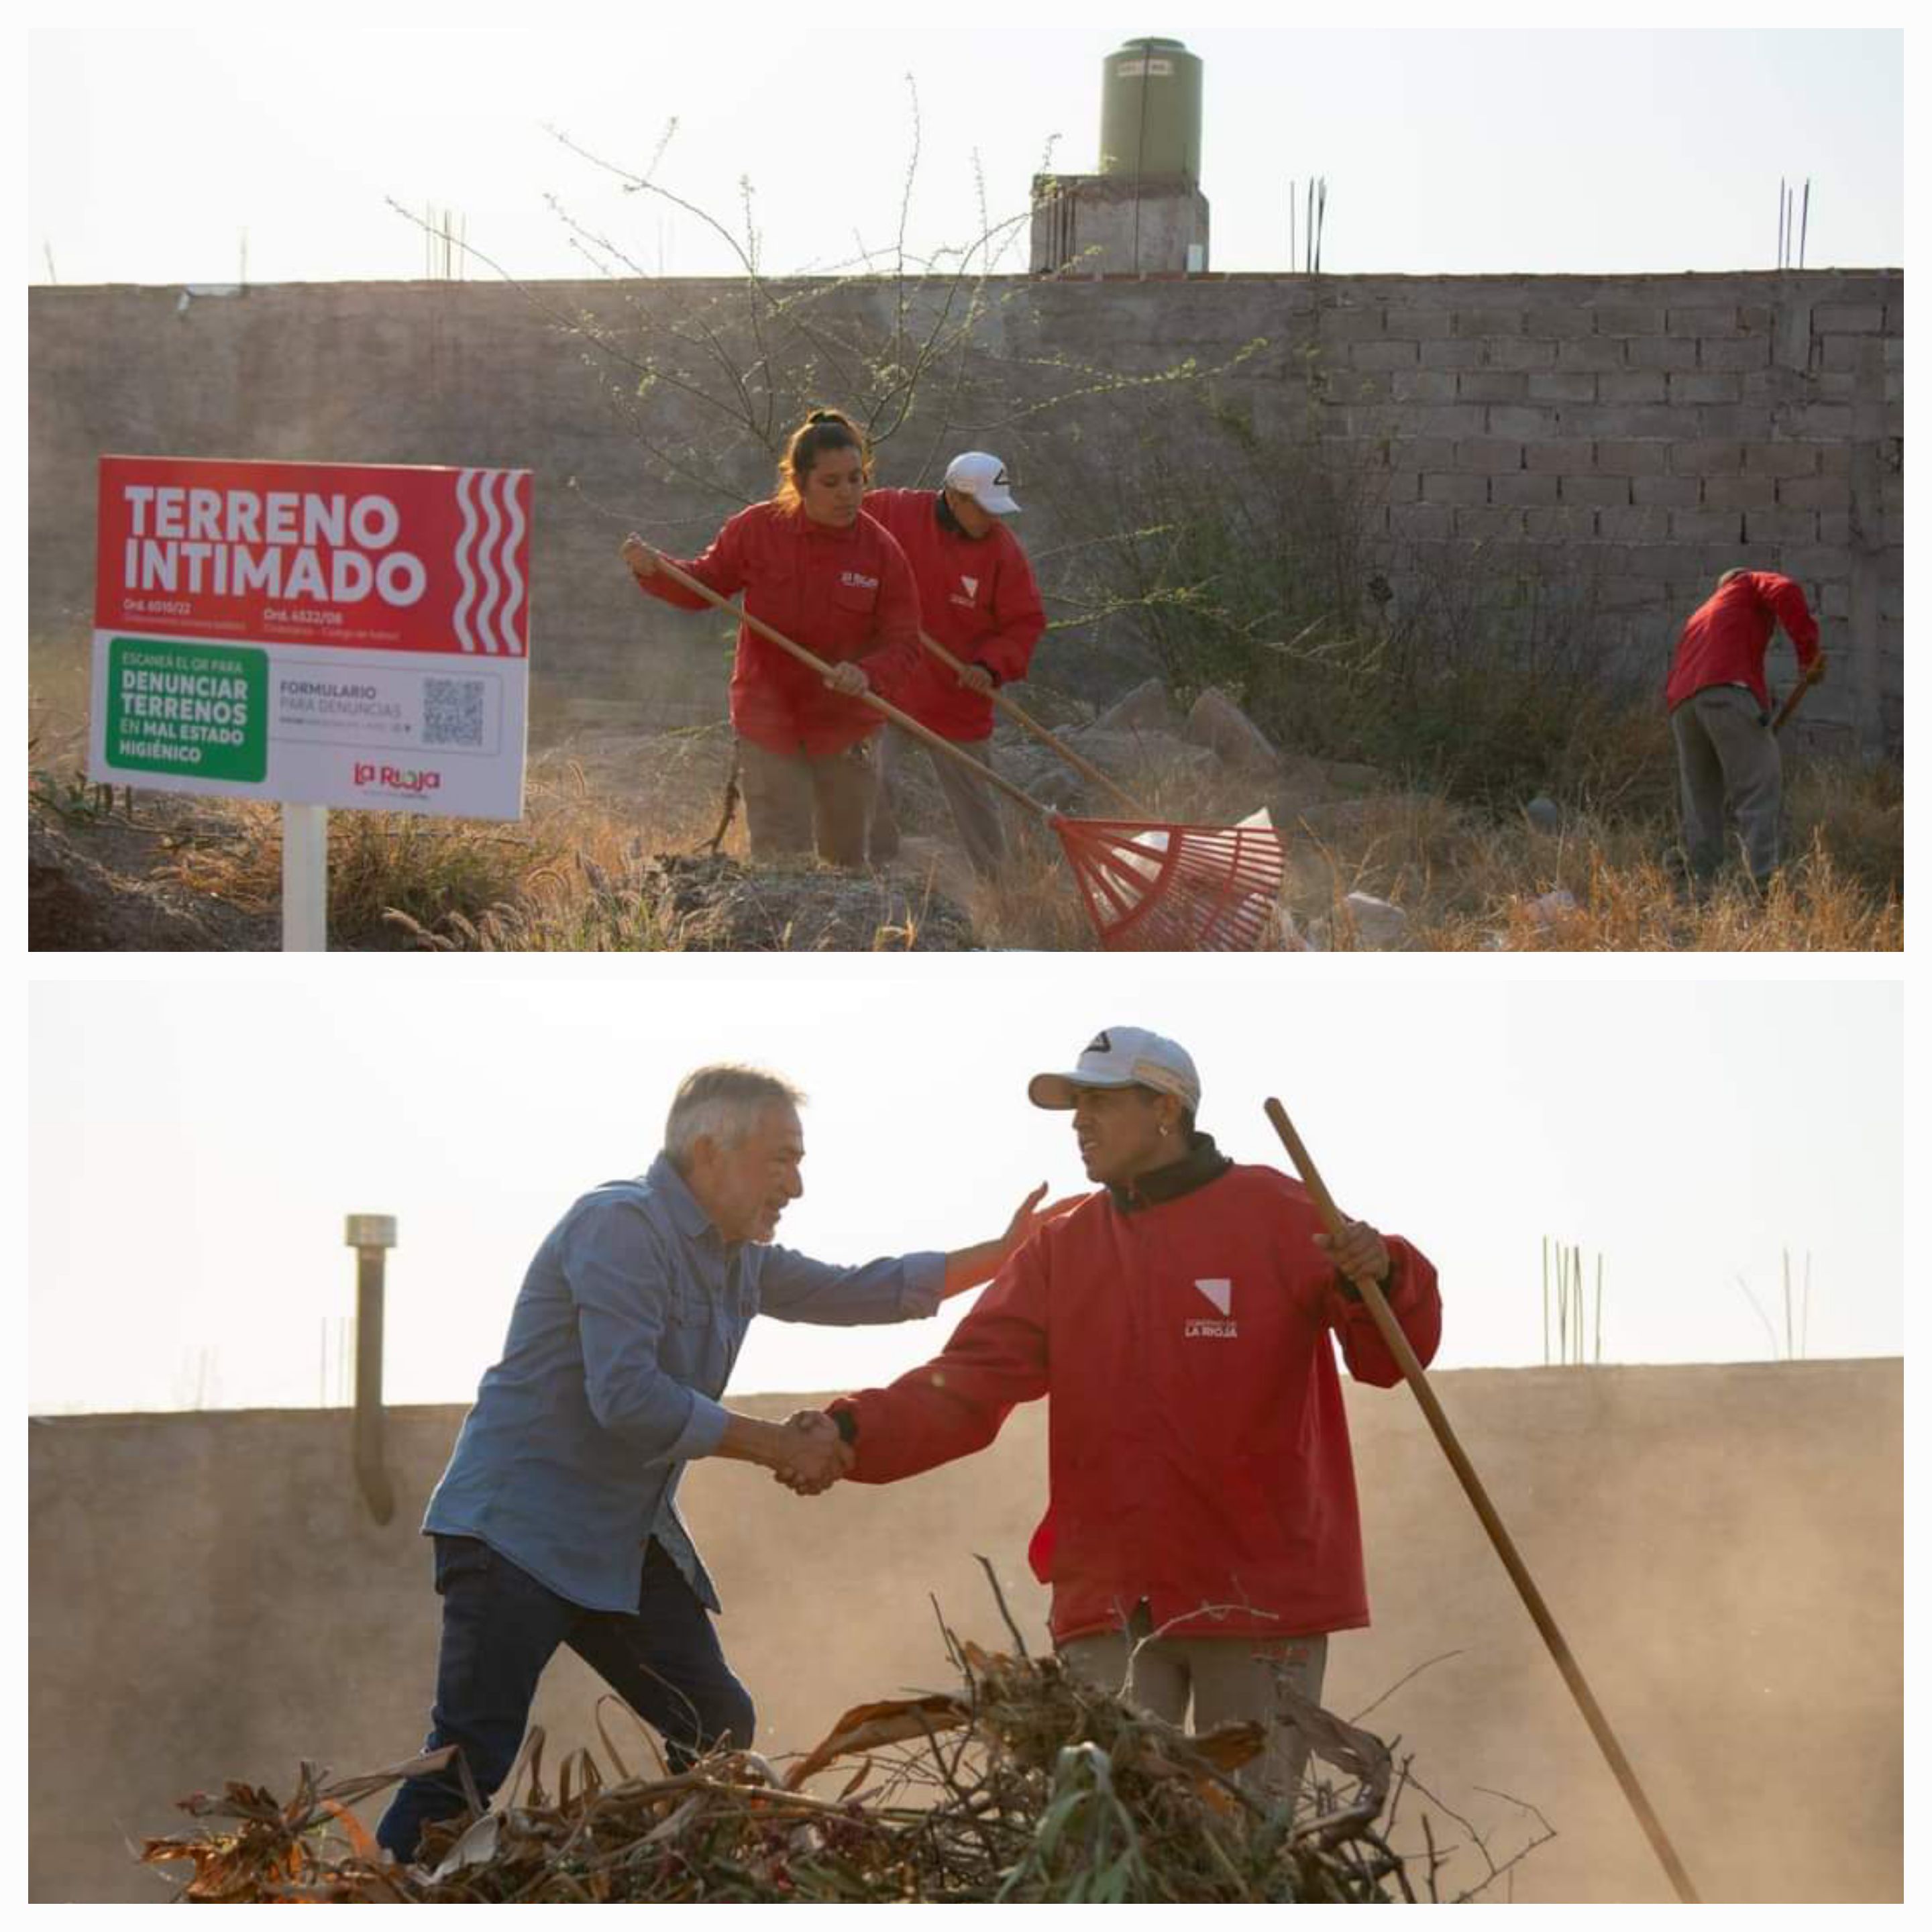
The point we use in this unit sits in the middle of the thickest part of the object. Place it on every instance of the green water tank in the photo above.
(1150, 110)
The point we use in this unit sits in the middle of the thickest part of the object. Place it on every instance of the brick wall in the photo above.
(1635, 434)
(1650, 432)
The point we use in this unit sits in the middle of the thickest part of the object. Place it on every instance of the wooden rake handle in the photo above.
(1795, 697)
(1532, 1597)
(1091, 772)
(871, 698)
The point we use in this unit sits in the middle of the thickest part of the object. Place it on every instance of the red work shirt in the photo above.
(976, 596)
(1197, 1448)
(845, 595)
(1725, 640)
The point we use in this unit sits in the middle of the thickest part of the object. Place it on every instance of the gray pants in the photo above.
(1226, 1677)
(1727, 754)
(974, 804)
(797, 803)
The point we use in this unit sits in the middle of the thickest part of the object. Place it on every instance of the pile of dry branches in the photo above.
(1026, 1785)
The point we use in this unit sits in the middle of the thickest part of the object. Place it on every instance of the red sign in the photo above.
(344, 555)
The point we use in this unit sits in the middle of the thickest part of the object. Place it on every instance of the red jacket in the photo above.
(978, 598)
(842, 594)
(1197, 1448)
(1725, 640)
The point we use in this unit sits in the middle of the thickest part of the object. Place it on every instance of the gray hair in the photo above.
(722, 1104)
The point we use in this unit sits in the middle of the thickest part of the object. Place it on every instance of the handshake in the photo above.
(809, 1453)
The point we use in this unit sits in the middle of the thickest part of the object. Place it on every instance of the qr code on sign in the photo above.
(452, 711)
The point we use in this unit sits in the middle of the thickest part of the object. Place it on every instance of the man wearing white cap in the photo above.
(1201, 1537)
(978, 598)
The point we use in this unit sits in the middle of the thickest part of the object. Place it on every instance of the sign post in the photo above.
(305, 878)
(354, 635)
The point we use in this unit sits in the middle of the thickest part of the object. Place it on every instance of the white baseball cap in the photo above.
(1121, 1057)
(983, 477)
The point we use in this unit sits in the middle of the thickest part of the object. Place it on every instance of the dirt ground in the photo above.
(112, 869)
(623, 847)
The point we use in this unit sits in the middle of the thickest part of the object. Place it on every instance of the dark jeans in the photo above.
(500, 1627)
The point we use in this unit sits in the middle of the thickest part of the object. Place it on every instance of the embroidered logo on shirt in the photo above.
(972, 584)
(857, 581)
(1221, 1294)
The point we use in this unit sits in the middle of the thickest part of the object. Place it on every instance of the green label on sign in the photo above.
(199, 710)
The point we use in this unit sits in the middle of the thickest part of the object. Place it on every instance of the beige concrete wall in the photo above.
(1722, 1546)
(1638, 433)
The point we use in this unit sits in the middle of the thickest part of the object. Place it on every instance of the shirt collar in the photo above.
(943, 515)
(1202, 1162)
(826, 532)
(687, 1212)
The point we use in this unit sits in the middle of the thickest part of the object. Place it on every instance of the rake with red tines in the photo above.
(1146, 887)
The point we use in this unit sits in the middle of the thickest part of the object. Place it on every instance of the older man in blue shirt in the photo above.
(556, 1520)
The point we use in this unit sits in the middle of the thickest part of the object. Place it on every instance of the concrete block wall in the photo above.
(1114, 224)
(1722, 1546)
(1634, 435)
(1645, 433)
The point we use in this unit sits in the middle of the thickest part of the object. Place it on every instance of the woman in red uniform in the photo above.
(817, 571)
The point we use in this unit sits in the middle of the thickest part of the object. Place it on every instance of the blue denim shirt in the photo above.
(621, 1341)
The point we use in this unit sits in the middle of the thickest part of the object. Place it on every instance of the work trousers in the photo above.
(795, 802)
(974, 803)
(1727, 754)
(1226, 1678)
(500, 1627)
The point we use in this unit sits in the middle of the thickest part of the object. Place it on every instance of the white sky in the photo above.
(161, 155)
(198, 1133)
(195, 1143)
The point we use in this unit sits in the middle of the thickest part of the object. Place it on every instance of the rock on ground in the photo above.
(1219, 723)
(1150, 755)
(1148, 707)
(1370, 925)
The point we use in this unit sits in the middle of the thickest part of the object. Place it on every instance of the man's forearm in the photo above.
(747, 1439)
(968, 1267)
(806, 1450)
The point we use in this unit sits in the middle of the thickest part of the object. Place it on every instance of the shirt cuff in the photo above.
(704, 1430)
(924, 1284)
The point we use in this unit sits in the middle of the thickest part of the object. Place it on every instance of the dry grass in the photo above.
(567, 877)
(540, 886)
(1469, 882)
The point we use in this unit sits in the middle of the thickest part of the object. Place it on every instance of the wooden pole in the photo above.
(1807, 680)
(1532, 1597)
(1027, 723)
(871, 698)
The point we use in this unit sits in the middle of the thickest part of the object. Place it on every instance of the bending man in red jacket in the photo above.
(1721, 716)
(1201, 1533)
(978, 598)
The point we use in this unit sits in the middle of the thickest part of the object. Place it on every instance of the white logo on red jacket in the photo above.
(972, 584)
(857, 581)
(1221, 1294)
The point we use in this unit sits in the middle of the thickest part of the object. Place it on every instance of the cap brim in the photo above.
(1062, 1091)
(998, 501)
